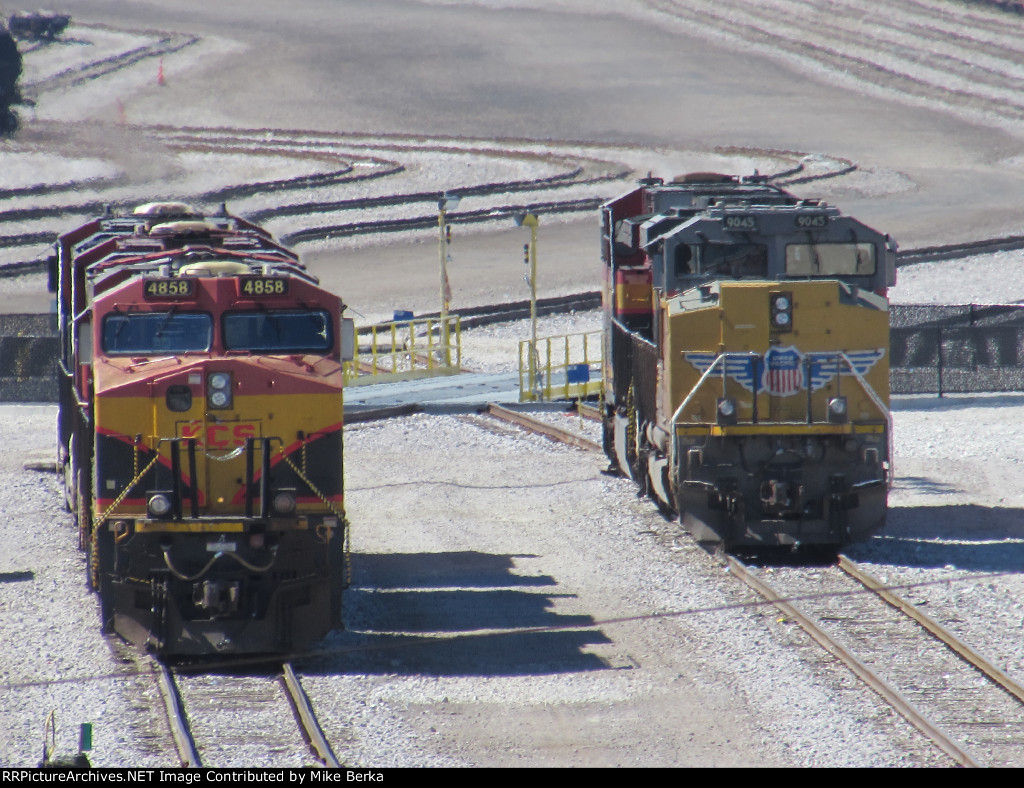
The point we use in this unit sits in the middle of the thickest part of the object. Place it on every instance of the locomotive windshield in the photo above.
(719, 260)
(284, 331)
(149, 333)
(736, 260)
(830, 259)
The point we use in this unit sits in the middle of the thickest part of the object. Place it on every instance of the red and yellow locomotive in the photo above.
(200, 431)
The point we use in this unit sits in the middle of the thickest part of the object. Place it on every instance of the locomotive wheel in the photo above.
(100, 556)
(667, 509)
(67, 467)
(632, 455)
(62, 468)
(81, 514)
(608, 432)
(94, 562)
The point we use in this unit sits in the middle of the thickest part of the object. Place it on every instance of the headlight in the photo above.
(726, 410)
(218, 390)
(284, 503)
(159, 505)
(837, 410)
(781, 311)
(219, 399)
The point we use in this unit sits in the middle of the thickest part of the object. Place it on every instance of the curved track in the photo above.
(389, 172)
(959, 58)
(310, 185)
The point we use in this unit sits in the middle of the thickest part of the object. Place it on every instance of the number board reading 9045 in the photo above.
(809, 220)
(742, 223)
(169, 288)
(262, 286)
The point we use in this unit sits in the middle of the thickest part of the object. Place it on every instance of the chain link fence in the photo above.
(938, 349)
(935, 349)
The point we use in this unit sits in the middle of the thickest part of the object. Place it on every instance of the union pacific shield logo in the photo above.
(783, 371)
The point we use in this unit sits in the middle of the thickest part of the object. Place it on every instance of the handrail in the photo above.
(404, 348)
(721, 357)
(720, 364)
(536, 379)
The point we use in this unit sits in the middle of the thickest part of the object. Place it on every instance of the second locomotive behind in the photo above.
(200, 431)
(746, 360)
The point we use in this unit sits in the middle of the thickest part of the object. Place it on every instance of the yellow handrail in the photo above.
(407, 349)
(563, 368)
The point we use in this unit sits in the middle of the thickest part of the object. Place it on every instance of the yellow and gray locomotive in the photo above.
(746, 361)
(200, 431)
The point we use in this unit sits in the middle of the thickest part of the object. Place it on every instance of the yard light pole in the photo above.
(530, 220)
(448, 202)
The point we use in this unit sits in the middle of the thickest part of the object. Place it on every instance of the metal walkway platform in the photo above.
(467, 391)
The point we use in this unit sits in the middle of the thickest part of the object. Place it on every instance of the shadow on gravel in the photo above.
(435, 614)
(17, 577)
(922, 485)
(969, 537)
(467, 569)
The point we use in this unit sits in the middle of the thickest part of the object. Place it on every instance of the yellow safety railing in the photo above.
(406, 349)
(560, 367)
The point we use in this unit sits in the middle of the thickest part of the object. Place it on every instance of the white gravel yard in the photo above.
(547, 608)
(985, 279)
(54, 658)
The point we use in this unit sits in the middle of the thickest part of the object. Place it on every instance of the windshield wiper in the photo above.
(163, 323)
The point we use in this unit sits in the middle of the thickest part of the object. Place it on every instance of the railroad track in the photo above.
(541, 427)
(507, 415)
(972, 711)
(231, 713)
(948, 58)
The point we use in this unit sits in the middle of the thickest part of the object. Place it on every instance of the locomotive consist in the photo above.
(746, 370)
(200, 431)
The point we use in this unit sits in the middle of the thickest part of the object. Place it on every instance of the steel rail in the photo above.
(297, 698)
(311, 730)
(903, 706)
(540, 427)
(176, 718)
(574, 176)
(960, 648)
(588, 411)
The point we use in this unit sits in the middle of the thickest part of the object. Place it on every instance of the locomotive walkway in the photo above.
(466, 391)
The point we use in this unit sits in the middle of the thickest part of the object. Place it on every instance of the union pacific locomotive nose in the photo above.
(746, 365)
